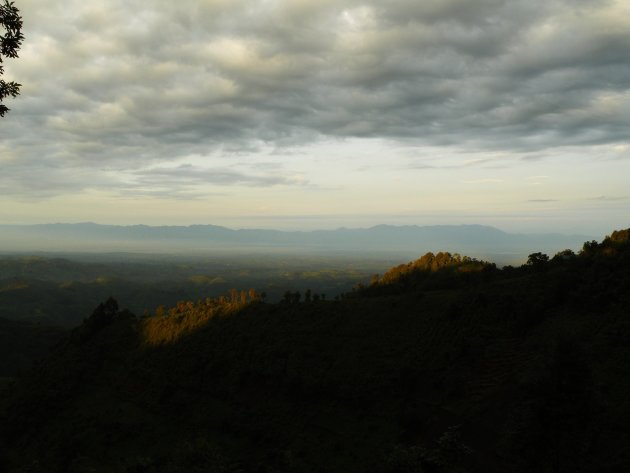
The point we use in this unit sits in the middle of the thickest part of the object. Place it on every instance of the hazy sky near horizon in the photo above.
(321, 113)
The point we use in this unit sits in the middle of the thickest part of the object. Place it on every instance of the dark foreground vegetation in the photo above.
(446, 364)
(22, 343)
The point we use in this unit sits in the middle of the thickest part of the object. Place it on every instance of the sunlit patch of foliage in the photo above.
(168, 326)
(432, 271)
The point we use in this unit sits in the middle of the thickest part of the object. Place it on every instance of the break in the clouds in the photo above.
(121, 90)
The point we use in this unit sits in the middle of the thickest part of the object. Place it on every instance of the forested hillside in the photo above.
(445, 364)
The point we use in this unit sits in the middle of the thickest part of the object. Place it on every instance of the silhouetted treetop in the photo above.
(537, 260)
(10, 42)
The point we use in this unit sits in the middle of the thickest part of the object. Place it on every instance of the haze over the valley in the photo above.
(305, 115)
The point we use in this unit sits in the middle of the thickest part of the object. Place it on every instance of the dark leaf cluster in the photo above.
(10, 43)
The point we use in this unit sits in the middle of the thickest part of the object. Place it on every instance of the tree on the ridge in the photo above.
(10, 42)
(537, 259)
(564, 255)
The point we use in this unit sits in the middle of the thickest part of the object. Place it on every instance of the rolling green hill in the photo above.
(445, 364)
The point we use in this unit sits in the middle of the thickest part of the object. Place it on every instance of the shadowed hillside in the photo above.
(445, 364)
(21, 344)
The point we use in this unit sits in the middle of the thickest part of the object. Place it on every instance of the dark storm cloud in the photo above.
(125, 85)
(193, 175)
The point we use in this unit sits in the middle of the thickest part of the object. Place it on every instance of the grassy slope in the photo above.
(533, 364)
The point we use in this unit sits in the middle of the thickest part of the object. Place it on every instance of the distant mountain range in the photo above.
(472, 240)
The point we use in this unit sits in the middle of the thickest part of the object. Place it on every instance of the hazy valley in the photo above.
(77, 266)
(383, 241)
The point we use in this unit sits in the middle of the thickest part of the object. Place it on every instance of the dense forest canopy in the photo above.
(445, 364)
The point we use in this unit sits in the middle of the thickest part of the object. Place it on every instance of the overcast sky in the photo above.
(321, 113)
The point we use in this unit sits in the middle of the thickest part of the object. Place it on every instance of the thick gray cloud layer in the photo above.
(126, 85)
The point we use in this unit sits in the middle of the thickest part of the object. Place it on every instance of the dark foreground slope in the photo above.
(443, 365)
(22, 344)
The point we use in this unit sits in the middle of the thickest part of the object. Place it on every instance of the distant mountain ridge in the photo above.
(476, 240)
